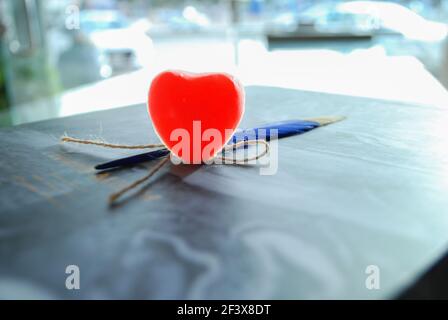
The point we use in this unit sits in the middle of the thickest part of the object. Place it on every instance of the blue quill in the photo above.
(284, 129)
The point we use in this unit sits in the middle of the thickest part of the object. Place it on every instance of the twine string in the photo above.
(110, 145)
(244, 143)
(115, 196)
(227, 160)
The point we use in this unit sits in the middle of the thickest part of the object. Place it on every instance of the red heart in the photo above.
(182, 103)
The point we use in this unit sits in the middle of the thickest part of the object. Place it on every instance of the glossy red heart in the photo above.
(198, 105)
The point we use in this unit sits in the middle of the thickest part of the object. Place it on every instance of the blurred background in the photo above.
(63, 57)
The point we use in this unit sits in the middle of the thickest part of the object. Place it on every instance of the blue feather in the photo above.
(284, 129)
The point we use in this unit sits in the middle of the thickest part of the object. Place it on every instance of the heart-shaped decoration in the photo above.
(195, 115)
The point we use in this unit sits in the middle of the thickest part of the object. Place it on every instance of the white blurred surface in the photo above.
(363, 72)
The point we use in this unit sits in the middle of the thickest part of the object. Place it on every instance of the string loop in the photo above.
(235, 146)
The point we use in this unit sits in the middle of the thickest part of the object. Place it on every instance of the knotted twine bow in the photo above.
(227, 160)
